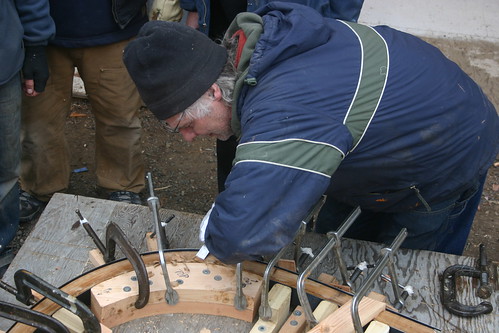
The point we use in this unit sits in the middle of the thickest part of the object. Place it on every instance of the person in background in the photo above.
(91, 36)
(26, 27)
(212, 17)
(372, 117)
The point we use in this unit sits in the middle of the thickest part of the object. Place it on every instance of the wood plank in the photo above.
(340, 321)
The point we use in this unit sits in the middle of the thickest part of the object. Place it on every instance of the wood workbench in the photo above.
(57, 254)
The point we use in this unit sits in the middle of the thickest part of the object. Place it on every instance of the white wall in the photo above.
(477, 19)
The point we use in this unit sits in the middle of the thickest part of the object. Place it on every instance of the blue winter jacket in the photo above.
(340, 9)
(370, 115)
(22, 22)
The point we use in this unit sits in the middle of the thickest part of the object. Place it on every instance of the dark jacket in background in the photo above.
(22, 22)
(339, 9)
(83, 23)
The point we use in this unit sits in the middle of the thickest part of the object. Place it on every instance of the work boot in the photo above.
(126, 196)
(30, 207)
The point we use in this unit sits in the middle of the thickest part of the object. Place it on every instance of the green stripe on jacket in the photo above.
(373, 76)
(316, 157)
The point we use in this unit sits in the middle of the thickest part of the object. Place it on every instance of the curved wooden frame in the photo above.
(185, 257)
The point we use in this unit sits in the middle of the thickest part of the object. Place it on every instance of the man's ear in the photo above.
(215, 92)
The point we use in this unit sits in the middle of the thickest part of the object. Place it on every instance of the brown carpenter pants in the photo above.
(45, 165)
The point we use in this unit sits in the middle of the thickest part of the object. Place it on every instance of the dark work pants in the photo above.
(444, 229)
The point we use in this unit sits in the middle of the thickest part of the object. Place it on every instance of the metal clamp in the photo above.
(449, 293)
(300, 284)
(171, 295)
(240, 301)
(32, 318)
(386, 259)
(114, 235)
(302, 230)
(265, 311)
(27, 281)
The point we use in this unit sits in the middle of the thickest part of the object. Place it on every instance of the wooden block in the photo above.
(73, 323)
(96, 258)
(202, 288)
(151, 242)
(377, 327)
(296, 322)
(279, 300)
(288, 264)
(340, 321)
(324, 309)
(328, 279)
(332, 281)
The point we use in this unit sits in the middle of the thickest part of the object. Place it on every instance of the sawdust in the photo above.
(184, 173)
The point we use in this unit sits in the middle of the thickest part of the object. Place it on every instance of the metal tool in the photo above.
(240, 301)
(26, 281)
(406, 291)
(336, 246)
(116, 236)
(32, 318)
(265, 311)
(90, 231)
(299, 256)
(449, 292)
(386, 260)
(300, 283)
(485, 289)
(171, 295)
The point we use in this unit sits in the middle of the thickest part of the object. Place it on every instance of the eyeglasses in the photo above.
(175, 129)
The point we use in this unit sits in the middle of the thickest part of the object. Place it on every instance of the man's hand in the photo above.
(35, 70)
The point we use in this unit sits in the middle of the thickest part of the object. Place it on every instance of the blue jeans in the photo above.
(443, 229)
(10, 158)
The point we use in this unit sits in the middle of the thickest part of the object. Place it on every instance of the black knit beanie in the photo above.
(173, 65)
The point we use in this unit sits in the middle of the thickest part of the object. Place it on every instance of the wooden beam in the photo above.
(202, 288)
(341, 321)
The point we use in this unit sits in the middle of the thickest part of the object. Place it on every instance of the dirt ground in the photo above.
(184, 174)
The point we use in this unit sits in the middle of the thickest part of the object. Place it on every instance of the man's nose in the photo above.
(188, 134)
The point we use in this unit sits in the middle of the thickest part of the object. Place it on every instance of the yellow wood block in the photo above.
(279, 301)
(377, 327)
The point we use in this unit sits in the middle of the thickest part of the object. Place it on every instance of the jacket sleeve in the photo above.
(274, 183)
(36, 21)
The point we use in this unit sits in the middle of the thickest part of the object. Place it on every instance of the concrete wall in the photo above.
(477, 19)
